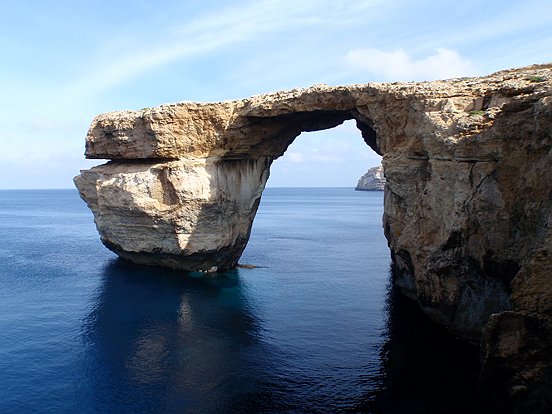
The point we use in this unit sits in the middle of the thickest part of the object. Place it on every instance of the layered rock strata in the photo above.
(468, 199)
(373, 180)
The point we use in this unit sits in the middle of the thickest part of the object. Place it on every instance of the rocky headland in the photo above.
(373, 180)
(467, 211)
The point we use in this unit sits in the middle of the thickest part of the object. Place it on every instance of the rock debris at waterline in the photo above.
(468, 197)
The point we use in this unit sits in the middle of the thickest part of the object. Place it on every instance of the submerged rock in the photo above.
(468, 197)
(373, 180)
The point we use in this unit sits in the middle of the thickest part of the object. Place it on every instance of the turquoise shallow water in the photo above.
(314, 328)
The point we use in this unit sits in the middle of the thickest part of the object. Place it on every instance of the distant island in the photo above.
(373, 180)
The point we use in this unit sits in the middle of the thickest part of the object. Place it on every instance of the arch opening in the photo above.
(271, 136)
(324, 157)
(323, 249)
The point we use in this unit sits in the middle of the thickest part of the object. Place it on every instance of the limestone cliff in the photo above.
(468, 200)
(373, 180)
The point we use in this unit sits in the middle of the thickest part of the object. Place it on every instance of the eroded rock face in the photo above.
(193, 214)
(373, 180)
(468, 200)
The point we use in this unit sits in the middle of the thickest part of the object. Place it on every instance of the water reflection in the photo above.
(423, 368)
(160, 342)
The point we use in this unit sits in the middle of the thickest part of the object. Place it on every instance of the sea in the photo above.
(314, 326)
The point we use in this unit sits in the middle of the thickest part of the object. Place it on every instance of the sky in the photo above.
(63, 62)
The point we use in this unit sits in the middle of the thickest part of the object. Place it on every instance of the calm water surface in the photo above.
(314, 328)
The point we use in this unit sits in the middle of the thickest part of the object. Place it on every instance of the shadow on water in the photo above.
(160, 342)
(424, 369)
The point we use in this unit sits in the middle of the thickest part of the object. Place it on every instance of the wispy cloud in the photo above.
(397, 65)
(209, 33)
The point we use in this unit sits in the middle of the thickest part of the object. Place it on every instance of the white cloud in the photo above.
(397, 65)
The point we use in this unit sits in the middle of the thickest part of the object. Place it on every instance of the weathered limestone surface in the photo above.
(468, 199)
(373, 180)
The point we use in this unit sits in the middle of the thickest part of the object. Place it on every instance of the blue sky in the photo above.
(63, 62)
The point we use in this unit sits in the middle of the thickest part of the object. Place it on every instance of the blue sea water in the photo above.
(315, 327)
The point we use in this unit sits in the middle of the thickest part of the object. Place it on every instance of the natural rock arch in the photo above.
(468, 199)
(190, 205)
